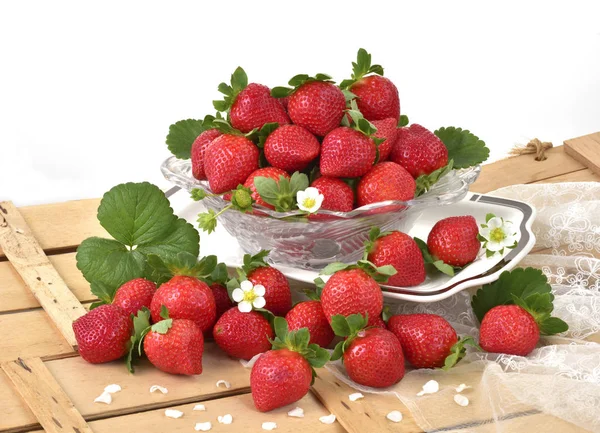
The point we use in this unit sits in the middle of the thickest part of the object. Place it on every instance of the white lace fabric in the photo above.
(557, 387)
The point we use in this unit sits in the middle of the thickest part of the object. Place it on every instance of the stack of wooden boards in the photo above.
(45, 384)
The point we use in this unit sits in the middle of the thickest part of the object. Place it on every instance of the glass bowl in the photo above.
(312, 243)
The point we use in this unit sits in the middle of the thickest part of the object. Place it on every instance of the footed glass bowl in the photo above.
(312, 243)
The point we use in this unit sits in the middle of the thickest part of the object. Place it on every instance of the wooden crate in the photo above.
(45, 384)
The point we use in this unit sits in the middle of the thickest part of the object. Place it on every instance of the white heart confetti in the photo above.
(269, 426)
(172, 413)
(356, 396)
(296, 412)
(461, 400)
(105, 398)
(159, 388)
(203, 426)
(223, 382)
(251, 361)
(328, 419)
(462, 387)
(199, 407)
(394, 416)
(112, 388)
(430, 387)
(225, 419)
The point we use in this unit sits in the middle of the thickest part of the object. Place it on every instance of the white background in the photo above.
(88, 89)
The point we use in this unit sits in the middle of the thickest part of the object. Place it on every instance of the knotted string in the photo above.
(535, 146)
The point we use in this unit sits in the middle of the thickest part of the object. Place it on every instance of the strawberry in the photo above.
(250, 105)
(454, 240)
(231, 159)
(338, 195)
(134, 294)
(315, 103)
(386, 130)
(103, 334)
(509, 329)
(346, 152)
(419, 150)
(377, 97)
(284, 375)
(199, 146)
(270, 172)
(185, 298)
(222, 301)
(426, 339)
(399, 250)
(175, 346)
(242, 335)
(309, 314)
(291, 148)
(378, 322)
(372, 357)
(385, 181)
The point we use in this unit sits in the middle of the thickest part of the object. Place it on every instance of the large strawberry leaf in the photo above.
(464, 148)
(182, 134)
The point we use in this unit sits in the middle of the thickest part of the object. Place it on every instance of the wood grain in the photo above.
(14, 413)
(586, 150)
(62, 226)
(29, 260)
(44, 396)
(585, 175)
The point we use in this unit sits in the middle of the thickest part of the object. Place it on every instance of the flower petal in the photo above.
(312, 192)
(237, 295)
(494, 246)
(259, 302)
(246, 285)
(300, 197)
(245, 307)
(509, 241)
(509, 228)
(259, 290)
(485, 232)
(494, 223)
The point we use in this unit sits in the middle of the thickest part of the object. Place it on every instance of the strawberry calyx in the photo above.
(426, 181)
(379, 273)
(241, 200)
(297, 81)
(297, 341)
(458, 351)
(183, 263)
(403, 121)
(374, 234)
(360, 124)
(361, 68)
(182, 134)
(386, 314)
(348, 327)
(281, 193)
(238, 82)
(527, 288)
(141, 327)
(431, 259)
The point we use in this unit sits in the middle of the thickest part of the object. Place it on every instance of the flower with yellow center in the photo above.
(248, 296)
(309, 200)
(497, 235)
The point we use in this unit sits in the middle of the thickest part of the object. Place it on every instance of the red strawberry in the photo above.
(378, 322)
(425, 338)
(283, 375)
(454, 240)
(185, 298)
(352, 291)
(134, 294)
(103, 334)
(291, 148)
(377, 98)
(199, 146)
(338, 195)
(419, 150)
(346, 152)
(231, 159)
(175, 346)
(270, 172)
(309, 314)
(242, 335)
(277, 289)
(250, 105)
(372, 357)
(402, 252)
(385, 181)
(387, 130)
(317, 106)
(222, 301)
(509, 329)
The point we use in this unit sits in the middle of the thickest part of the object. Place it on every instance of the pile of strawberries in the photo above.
(349, 139)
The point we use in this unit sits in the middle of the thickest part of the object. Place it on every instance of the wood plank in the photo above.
(14, 413)
(585, 175)
(62, 226)
(586, 150)
(30, 334)
(38, 274)
(44, 396)
(525, 169)
(16, 296)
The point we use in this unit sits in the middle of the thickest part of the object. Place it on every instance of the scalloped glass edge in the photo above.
(449, 189)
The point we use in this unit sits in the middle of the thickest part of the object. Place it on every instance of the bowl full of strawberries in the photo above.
(306, 170)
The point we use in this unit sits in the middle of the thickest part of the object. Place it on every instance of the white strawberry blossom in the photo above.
(497, 235)
(310, 200)
(248, 296)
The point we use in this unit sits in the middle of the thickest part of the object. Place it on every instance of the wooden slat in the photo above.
(586, 150)
(44, 396)
(38, 274)
(585, 175)
(525, 169)
(62, 226)
(14, 413)
(16, 296)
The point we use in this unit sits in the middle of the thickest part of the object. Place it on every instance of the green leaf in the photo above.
(386, 313)
(219, 275)
(298, 182)
(338, 351)
(181, 136)
(207, 221)
(164, 312)
(321, 356)
(334, 267)
(553, 325)
(356, 322)
(104, 292)
(488, 217)
(301, 338)
(444, 268)
(348, 95)
(141, 326)
(181, 237)
(403, 121)
(183, 263)
(239, 81)
(266, 130)
(319, 283)
(281, 92)
(458, 351)
(464, 148)
(340, 326)
(298, 80)
(426, 181)
(163, 326)
(361, 67)
(280, 327)
(96, 304)
(380, 274)
(427, 257)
